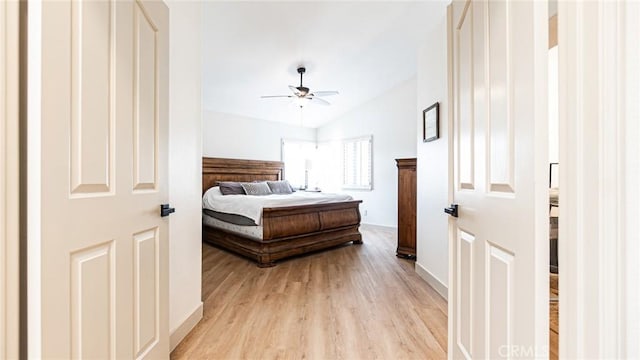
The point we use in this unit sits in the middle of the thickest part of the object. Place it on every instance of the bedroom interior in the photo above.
(325, 277)
(430, 83)
(372, 116)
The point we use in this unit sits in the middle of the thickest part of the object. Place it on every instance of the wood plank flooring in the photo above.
(553, 317)
(352, 302)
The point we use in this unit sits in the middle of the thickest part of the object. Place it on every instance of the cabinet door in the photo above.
(406, 207)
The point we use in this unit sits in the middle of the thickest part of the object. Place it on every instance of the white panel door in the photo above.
(104, 176)
(9, 180)
(498, 241)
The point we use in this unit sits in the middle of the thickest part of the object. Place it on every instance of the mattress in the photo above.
(254, 232)
(554, 203)
(230, 218)
(251, 206)
(553, 196)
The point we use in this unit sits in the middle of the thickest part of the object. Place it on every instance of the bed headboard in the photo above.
(219, 169)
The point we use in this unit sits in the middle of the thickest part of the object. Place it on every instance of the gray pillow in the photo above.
(280, 187)
(231, 188)
(257, 188)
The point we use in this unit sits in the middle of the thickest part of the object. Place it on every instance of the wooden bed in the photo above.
(287, 231)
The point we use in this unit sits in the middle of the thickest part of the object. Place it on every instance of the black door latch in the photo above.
(165, 210)
(452, 210)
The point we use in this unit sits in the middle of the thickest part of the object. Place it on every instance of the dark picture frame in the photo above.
(431, 123)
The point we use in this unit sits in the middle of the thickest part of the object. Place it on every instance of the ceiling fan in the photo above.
(302, 95)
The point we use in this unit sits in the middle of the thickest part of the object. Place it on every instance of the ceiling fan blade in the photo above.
(319, 101)
(324, 93)
(294, 89)
(275, 96)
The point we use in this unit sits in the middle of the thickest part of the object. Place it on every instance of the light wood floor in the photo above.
(553, 317)
(353, 302)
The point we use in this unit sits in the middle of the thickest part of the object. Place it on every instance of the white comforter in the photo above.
(251, 206)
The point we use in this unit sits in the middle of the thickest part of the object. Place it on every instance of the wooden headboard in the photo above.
(219, 169)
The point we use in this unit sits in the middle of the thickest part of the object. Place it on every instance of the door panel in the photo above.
(499, 327)
(92, 97)
(147, 295)
(93, 316)
(146, 105)
(497, 152)
(465, 134)
(465, 289)
(500, 122)
(104, 244)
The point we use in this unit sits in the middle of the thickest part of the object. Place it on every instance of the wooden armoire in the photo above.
(407, 188)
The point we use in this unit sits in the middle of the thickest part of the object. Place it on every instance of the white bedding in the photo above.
(251, 206)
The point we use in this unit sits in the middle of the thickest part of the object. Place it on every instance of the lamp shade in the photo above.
(308, 164)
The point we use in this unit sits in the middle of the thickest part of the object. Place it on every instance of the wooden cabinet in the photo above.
(407, 188)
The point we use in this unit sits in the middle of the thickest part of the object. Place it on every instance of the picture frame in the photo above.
(431, 123)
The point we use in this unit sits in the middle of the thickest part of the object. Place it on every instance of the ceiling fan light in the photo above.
(300, 101)
(302, 91)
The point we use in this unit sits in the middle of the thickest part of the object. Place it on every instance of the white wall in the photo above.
(390, 118)
(239, 137)
(185, 178)
(433, 158)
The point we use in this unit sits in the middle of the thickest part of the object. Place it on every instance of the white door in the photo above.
(9, 179)
(499, 242)
(104, 175)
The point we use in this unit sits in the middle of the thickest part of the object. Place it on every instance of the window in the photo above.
(330, 165)
(298, 157)
(357, 163)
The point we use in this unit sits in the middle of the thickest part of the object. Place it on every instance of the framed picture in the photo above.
(431, 123)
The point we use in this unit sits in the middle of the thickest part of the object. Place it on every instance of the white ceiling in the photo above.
(360, 49)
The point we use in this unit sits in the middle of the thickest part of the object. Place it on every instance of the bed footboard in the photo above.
(294, 230)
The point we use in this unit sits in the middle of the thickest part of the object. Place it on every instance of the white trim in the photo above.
(9, 180)
(451, 291)
(541, 188)
(599, 152)
(630, 173)
(382, 227)
(34, 180)
(181, 331)
(433, 281)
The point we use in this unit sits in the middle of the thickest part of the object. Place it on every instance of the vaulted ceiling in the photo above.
(360, 49)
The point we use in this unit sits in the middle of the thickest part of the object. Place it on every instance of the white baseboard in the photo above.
(386, 227)
(433, 281)
(179, 333)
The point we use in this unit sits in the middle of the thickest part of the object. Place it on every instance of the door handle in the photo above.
(452, 210)
(165, 210)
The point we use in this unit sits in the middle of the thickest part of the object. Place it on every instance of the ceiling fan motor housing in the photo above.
(303, 90)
